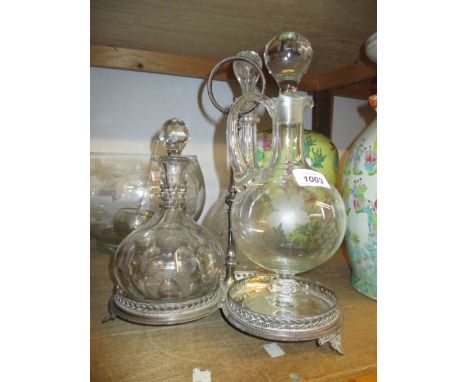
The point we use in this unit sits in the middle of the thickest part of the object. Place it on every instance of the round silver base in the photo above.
(284, 326)
(164, 313)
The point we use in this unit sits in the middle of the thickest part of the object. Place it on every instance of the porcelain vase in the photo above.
(360, 196)
(319, 151)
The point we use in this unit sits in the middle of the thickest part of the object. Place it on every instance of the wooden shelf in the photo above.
(165, 63)
(187, 38)
(360, 90)
(147, 61)
(121, 351)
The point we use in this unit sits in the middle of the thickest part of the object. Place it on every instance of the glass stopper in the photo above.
(174, 136)
(287, 57)
(246, 73)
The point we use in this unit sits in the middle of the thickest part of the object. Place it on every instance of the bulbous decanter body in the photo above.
(171, 258)
(288, 219)
(283, 221)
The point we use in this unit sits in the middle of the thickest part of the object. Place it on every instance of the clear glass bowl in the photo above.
(120, 200)
(117, 181)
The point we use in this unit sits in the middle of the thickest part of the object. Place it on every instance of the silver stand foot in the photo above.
(110, 313)
(334, 340)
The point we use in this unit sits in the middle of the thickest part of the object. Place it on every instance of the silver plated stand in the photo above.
(150, 313)
(231, 258)
(324, 327)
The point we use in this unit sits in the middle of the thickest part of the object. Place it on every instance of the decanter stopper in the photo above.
(247, 74)
(287, 58)
(174, 136)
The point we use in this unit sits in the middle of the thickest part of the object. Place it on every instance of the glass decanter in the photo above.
(173, 137)
(168, 270)
(288, 219)
(217, 219)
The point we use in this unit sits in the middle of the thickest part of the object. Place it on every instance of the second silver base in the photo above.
(324, 327)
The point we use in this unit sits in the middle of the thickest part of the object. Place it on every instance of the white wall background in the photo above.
(128, 108)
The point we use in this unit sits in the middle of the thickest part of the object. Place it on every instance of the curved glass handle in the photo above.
(243, 172)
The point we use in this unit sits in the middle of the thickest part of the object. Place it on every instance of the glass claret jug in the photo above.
(288, 219)
(216, 220)
(168, 270)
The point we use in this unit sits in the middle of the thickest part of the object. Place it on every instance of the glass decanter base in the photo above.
(171, 313)
(313, 315)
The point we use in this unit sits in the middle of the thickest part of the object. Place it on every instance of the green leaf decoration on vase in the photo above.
(320, 152)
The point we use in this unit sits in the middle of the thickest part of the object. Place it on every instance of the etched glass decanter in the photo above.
(168, 270)
(288, 219)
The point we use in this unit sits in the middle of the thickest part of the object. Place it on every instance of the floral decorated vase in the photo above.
(360, 196)
(319, 151)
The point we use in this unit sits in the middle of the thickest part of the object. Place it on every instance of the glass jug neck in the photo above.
(288, 144)
(289, 125)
